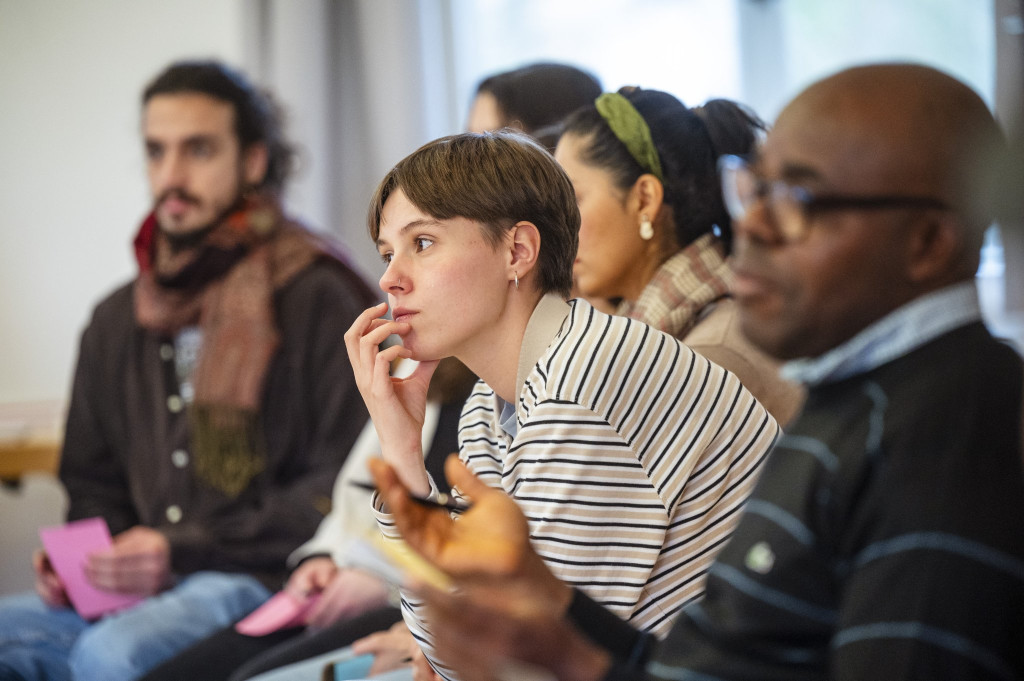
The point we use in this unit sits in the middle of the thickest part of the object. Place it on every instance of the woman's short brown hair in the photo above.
(496, 179)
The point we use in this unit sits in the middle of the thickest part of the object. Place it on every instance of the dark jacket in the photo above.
(126, 451)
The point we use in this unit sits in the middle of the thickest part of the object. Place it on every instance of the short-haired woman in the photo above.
(630, 454)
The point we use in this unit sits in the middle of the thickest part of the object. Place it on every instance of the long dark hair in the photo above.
(688, 143)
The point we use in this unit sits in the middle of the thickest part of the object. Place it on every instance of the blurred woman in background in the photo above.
(534, 99)
(655, 233)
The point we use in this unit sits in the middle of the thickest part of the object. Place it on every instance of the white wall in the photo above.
(72, 188)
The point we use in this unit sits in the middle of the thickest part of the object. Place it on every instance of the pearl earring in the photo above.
(646, 228)
(517, 280)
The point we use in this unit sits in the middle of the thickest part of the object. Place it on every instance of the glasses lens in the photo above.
(788, 210)
(739, 188)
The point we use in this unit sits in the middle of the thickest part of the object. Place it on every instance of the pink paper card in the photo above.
(68, 546)
(281, 611)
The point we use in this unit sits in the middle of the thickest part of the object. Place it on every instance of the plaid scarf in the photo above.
(682, 288)
(224, 283)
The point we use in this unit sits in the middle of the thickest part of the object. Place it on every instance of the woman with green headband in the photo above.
(655, 233)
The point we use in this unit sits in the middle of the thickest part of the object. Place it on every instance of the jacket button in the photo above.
(173, 513)
(179, 457)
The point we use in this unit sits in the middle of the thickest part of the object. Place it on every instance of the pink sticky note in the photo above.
(282, 610)
(68, 546)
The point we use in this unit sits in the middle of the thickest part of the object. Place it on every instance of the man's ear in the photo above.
(255, 160)
(524, 249)
(935, 248)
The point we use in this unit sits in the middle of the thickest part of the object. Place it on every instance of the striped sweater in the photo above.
(632, 458)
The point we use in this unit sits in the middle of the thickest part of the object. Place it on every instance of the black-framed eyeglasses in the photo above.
(790, 205)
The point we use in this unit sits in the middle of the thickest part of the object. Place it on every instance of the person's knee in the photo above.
(106, 652)
(223, 597)
(35, 639)
(129, 644)
(24, 617)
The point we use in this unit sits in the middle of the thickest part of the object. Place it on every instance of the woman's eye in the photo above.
(423, 243)
(386, 257)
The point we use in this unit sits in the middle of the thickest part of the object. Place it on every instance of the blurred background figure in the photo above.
(353, 603)
(655, 233)
(211, 408)
(534, 99)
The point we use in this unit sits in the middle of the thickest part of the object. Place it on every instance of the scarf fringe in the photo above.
(228, 446)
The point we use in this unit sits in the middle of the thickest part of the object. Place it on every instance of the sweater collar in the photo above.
(544, 325)
(895, 335)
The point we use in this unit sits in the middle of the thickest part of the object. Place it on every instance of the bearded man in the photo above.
(213, 403)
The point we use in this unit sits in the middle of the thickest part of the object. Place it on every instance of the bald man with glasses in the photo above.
(885, 537)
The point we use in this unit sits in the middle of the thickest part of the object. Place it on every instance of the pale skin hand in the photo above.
(344, 593)
(391, 649)
(311, 577)
(397, 406)
(48, 584)
(349, 593)
(139, 562)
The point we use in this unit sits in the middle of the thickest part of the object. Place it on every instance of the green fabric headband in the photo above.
(631, 129)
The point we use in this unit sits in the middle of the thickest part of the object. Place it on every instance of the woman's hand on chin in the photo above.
(397, 406)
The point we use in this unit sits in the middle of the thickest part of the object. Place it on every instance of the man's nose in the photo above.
(757, 223)
(170, 173)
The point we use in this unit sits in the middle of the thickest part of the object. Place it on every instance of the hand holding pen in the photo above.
(445, 501)
(490, 537)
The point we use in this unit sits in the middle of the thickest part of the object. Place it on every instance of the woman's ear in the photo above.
(647, 195)
(524, 249)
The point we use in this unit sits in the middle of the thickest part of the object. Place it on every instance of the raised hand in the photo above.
(488, 547)
(397, 406)
(139, 562)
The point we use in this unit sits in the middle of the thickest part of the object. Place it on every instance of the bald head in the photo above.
(908, 130)
(901, 136)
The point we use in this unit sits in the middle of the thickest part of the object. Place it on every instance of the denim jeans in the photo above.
(38, 643)
(312, 669)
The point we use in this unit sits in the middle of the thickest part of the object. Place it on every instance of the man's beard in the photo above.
(181, 241)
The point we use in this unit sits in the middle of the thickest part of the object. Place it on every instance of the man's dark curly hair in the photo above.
(258, 118)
